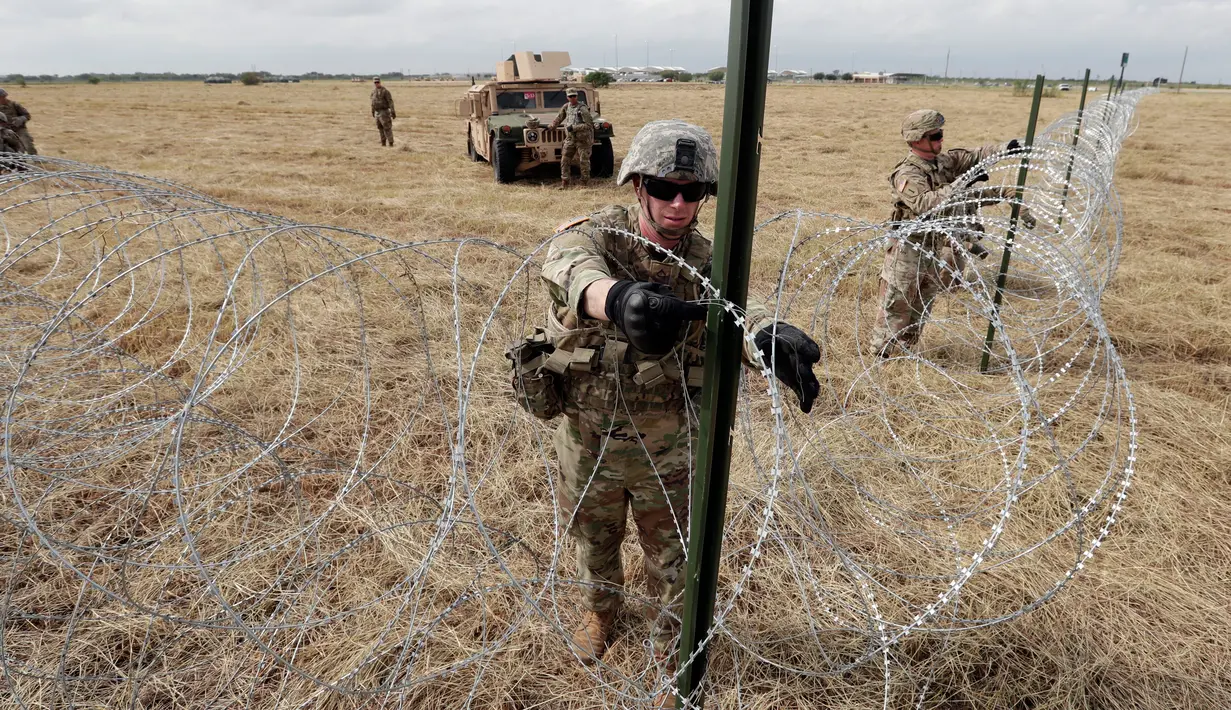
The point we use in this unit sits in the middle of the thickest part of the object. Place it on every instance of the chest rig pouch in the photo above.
(536, 387)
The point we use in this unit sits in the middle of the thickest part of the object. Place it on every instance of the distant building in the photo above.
(887, 78)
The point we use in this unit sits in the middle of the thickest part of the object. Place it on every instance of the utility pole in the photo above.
(1184, 63)
(616, 42)
(947, 51)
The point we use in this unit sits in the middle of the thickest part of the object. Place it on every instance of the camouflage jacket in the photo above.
(382, 100)
(12, 110)
(597, 249)
(570, 115)
(917, 185)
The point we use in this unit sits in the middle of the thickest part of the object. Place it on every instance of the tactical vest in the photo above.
(600, 368)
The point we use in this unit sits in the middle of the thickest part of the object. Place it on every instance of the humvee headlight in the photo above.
(532, 136)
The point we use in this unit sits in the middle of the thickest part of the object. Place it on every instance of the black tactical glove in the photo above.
(1014, 146)
(650, 315)
(981, 177)
(794, 355)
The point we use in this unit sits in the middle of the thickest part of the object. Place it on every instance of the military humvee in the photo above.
(507, 119)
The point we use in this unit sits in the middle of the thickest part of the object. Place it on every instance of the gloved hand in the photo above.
(981, 177)
(18, 121)
(794, 354)
(1014, 146)
(650, 315)
(392, 115)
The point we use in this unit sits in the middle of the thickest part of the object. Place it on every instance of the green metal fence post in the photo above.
(1123, 63)
(744, 111)
(1081, 112)
(1013, 215)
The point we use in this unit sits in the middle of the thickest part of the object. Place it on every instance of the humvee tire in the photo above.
(470, 149)
(504, 160)
(602, 159)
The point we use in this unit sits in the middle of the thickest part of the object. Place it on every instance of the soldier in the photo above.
(923, 180)
(383, 111)
(579, 140)
(626, 319)
(17, 116)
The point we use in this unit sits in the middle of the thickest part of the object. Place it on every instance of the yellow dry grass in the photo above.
(1145, 626)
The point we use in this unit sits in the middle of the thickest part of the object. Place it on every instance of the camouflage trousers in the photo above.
(384, 124)
(909, 283)
(610, 463)
(578, 145)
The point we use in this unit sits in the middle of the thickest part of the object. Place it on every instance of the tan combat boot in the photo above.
(563, 184)
(591, 637)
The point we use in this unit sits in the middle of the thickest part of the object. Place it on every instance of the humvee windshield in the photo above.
(556, 99)
(516, 100)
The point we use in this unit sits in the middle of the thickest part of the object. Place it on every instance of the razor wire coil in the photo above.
(282, 452)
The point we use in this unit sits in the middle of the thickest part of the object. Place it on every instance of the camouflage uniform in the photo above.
(383, 111)
(910, 281)
(627, 438)
(17, 116)
(10, 142)
(579, 141)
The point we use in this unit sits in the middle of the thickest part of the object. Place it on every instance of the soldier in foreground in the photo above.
(579, 140)
(17, 116)
(919, 183)
(625, 320)
(383, 111)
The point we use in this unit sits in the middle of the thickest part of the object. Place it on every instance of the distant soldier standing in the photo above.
(919, 183)
(579, 139)
(626, 320)
(383, 111)
(17, 116)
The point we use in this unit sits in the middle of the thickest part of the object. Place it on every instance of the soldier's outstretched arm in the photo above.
(574, 262)
(559, 118)
(964, 159)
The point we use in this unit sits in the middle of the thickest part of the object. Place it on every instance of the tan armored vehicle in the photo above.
(507, 119)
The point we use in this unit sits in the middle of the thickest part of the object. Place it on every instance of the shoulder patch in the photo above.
(564, 226)
(901, 184)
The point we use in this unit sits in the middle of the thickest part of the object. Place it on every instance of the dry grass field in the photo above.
(1146, 625)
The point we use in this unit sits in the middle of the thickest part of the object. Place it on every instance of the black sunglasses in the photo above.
(666, 191)
(937, 136)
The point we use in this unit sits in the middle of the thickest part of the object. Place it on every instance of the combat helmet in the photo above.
(919, 123)
(672, 149)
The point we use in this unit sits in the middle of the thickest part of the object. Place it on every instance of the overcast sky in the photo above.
(987, 37)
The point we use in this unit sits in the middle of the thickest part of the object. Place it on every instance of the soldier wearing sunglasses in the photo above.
(921, 182)
(627, 320)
